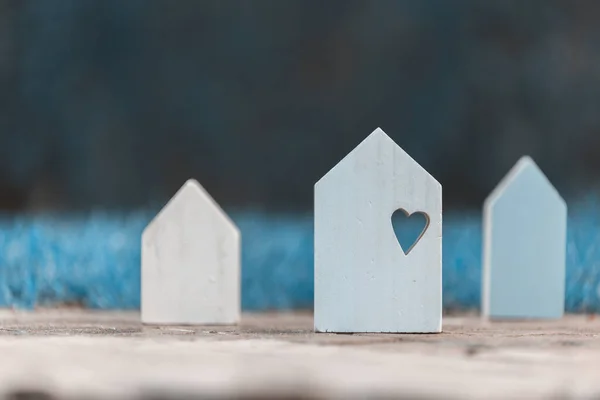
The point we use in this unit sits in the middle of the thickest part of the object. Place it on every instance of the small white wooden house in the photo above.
(191, 262)
(524, 246)
(364, 280)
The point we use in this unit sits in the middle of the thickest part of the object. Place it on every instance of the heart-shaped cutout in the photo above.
(409, 228)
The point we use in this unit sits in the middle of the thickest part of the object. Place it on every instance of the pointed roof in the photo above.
(191, 188)
(525, 168)
(377, 136)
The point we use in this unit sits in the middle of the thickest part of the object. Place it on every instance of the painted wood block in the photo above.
(365, 281)
(191, 262)
(524, 246)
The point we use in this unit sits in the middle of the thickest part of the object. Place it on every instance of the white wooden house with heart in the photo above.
(365, 280)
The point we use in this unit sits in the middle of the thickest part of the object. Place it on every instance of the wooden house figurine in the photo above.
(190, 262)
(365, 281)
(524, 247)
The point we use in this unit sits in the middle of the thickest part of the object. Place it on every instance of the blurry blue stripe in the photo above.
(95, 260)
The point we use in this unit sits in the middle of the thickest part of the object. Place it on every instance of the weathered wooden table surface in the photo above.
(86, 354)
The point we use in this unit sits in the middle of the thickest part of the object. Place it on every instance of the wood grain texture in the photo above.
(524, 246)
(363, 280)
(191, 262)
(72, 354)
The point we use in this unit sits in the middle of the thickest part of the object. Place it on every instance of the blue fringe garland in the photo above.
(94, 260)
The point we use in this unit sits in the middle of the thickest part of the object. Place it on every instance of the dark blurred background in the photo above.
(114, 104)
